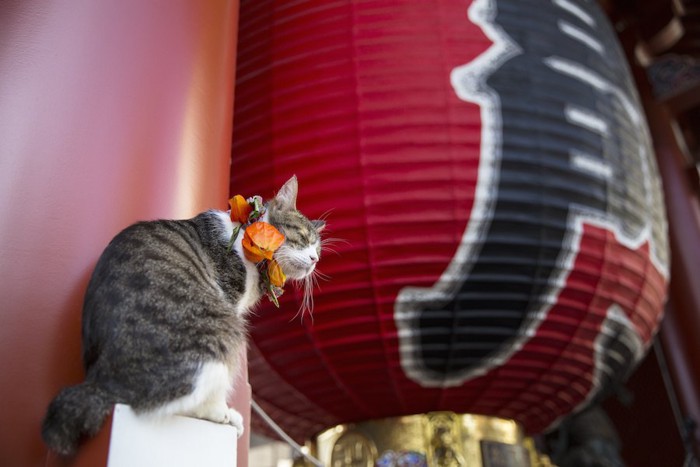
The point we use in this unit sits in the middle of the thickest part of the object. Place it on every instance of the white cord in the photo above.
(276, 428)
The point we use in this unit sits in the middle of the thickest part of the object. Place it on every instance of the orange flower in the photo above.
(275, 273)
(260, 241)
(240, 209)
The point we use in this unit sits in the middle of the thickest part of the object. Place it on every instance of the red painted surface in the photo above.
(388, 150)
(646, 425)
(111, 113)
(680, 331)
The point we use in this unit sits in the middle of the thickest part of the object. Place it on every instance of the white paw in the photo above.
(234, 419)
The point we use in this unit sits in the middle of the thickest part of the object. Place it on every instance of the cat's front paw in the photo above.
(235, 419)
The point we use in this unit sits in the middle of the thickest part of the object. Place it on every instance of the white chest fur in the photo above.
(207, 400)
(251, 296)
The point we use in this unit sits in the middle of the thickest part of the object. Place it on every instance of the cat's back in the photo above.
(151, 268)
(149, 255)
(157, 281)
(159, 239)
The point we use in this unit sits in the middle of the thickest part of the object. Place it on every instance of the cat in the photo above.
(164, 318)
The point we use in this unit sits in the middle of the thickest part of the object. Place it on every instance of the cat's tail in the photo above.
(76, 411)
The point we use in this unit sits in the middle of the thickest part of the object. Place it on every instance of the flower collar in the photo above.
(260, 241)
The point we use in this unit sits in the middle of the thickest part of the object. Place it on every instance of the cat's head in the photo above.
(301, 249)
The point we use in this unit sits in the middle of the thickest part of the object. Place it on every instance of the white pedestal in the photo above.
(172, 441)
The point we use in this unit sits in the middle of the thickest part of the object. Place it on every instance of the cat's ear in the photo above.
(319, 225)
(286, 198)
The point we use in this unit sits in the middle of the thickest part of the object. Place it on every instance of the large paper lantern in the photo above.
(489, 171)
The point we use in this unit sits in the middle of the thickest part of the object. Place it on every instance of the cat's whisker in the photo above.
(333, 240)
(328, 244)
(330, 250)
(310, 303)
(300, 310)
(320, 275)
(325, 214)
(308, 300)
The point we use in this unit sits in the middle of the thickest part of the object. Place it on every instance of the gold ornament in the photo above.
(435, 439)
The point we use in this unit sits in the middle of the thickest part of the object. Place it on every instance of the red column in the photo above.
(110, 112)
(680, 330)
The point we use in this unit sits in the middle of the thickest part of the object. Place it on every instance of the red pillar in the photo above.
(680, 330)
(110, 112)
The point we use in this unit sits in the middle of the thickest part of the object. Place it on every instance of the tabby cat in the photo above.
(164, 318)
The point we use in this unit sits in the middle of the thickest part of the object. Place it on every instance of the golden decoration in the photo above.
(434, 439)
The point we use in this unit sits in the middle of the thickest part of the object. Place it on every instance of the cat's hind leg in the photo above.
(215, 409)
(222, 414)
(207, 400)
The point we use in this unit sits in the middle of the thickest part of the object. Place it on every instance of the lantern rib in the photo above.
(289, 388)
(385, 336)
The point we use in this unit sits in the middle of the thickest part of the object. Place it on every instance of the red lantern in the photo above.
(489, 170)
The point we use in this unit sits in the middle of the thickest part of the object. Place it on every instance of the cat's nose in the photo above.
(313, 258)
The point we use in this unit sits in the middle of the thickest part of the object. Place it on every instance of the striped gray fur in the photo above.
(163, 301)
